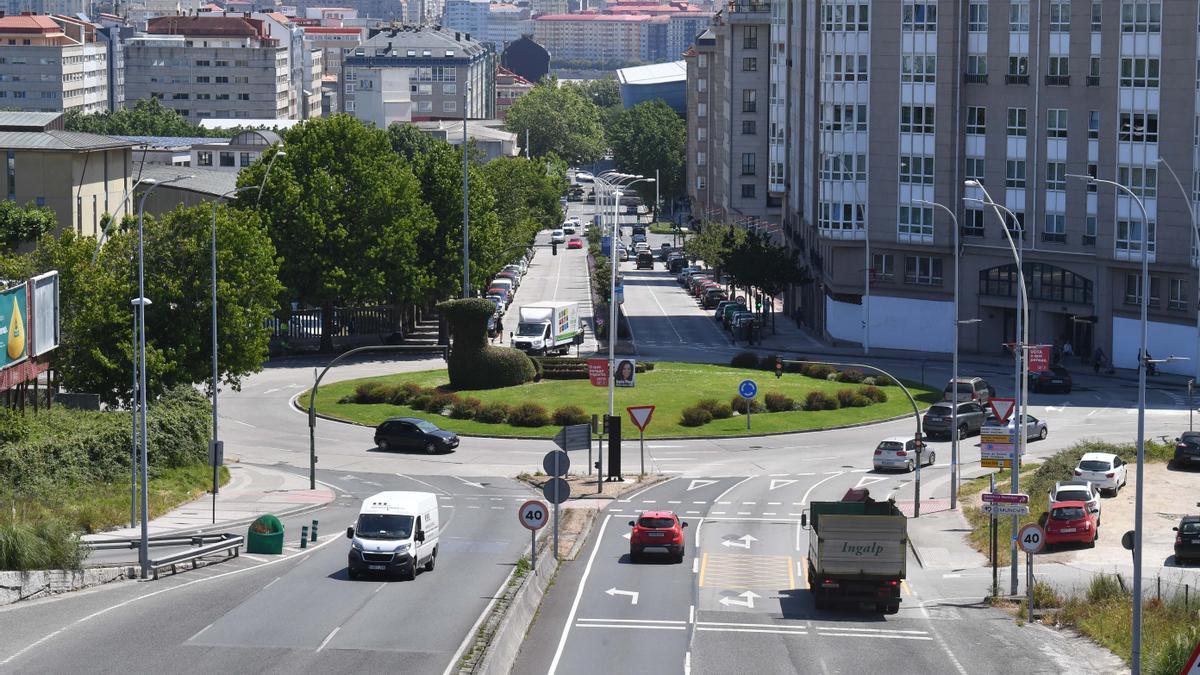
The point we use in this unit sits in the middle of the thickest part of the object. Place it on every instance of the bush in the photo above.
(371, 392)
(474, 364)
(404, 393)
(48, 545)
(440, 401)
(539, 370)
(819, 400)
(851, 375)
(740, 405)
(492, 413)
(860, 401)
(465, 409)
(832, 377)
(869, 380)
(719, 410)
(795, 367)
(570, 414)
(528, 415)
(420, 400)
(818, 371)
(885, 381)
(845, 397)
(745, 360)
(874, 393)
(1106, 587)
(777, 402)
(695, 416)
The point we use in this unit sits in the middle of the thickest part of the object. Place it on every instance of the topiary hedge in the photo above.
(740, 405)
(777, 402)
(492, 413)
(719, 410)
(473, 363)
(819, 400)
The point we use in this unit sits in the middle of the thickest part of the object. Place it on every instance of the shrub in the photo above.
(740, 405)
(695, 416)
(860, 401)
(492, 413)
(845, 397)
(1106, 587)
(404, 393)
(465, 409)
(795, 367)
(570, 414)
(528, 415)
(539, 370)
(851, 375)
(440, 401)
(869, 380)
(777, 402)
(744, 360)
(719, 410)
(874, 393)
(473, 363)
(48, 545)
(818, 371)
(371, 392)
(885, 381)
(420, 400)
(832, 377)
(819, 400)
(646, 367)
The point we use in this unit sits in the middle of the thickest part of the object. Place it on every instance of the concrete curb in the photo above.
(916, 554)
(20, 586)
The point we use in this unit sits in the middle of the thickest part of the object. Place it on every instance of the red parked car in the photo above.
(1071, 523)
(657, 531)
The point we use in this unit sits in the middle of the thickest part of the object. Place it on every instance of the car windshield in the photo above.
(427, 427)
(1067, 513)
(530, 329)
(384, 526)
(656, 523)
(1190, 437)
(1190, 528)
(1073, 496)
(963, 388)
(1095, 465)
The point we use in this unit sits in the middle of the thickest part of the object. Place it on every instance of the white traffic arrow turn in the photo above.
(699, 483)
(868, 480)
(744, 539)
(781, 482)
(747, 603)
(613, 592)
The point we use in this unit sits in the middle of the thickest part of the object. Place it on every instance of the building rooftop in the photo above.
(13, 120)
(55, 140)
(654, 73)
(248, 123)
(31, 24)
(439, 42)
(171, 142)
(201, 180)
(619, 18)
(208, 25)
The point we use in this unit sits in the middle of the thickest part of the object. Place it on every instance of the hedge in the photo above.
(528, 415)
(719, 410)
(739, 405)
(570, 414)
(694, 416)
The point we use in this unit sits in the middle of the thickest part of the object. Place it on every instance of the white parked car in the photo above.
(558, 237)
(1104, 470)
(1078, 491)
(900, 452)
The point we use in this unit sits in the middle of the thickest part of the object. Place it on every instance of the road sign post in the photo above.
(532, 515)
(556, 463)
(918, 445)
(748, 389)
(1031, 538)
(992, 520)
(640, 415)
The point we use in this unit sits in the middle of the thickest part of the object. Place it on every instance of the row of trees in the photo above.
(147, 117)
(749, 257)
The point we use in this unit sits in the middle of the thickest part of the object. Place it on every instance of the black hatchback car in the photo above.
(1056, 379)
(1187, 539)
(1187, 450)
(411, 433)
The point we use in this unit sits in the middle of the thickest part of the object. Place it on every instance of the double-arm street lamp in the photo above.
(1187, 199)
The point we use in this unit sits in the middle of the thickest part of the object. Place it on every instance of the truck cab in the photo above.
(547, 327)
(396, 532)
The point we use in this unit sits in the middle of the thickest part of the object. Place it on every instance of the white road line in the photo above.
(431, 485)
(695, 565)
(774, 503)
(626, 625)
(804, 474)
(743, 513)
(699, 502)
(873, 630)
(328, 638)
(730, 489)
(245, 424)
(269, 582)
(199, 632)
(649, 501)
(718, 513)
(674, 501)
(272, 390)
(749, 503)
(797, 536)
(687, 663)
(752, 630)
(879, 635)
(768, 513)
(804, 499)
(664, 621)
(691, 614)
(253, 557)
(587, 570)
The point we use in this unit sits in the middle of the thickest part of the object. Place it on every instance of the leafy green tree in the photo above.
(531, 190)
(409, 141)
(604, 92)
(21, 224)
(559, 120)
(145, 118)
(715, 244)
(346, 214)
(647, 137)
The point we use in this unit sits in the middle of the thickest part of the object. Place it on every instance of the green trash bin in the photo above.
(265, 535)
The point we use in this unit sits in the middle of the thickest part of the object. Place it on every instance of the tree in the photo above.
(559, 120)
(650, 136)
(345, 213)
(604, 93)
(21, 224)
(531, 189)
(409, 141)
(148, 117)
(715, 244)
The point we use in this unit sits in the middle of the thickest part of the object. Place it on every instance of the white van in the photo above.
(395, 532)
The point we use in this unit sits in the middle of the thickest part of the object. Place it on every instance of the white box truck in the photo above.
(395, 532)
(547, 327)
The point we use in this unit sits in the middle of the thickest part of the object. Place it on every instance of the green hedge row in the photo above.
(442, 402)
(707, 410)
(818, 371)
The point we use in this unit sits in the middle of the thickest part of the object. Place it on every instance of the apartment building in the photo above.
(509, 88)
(886, 106)
(52, 64)
(592, 37)
(437, 67)
(332, 41)
(497, 23)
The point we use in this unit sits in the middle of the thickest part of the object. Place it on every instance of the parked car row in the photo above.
(503, 287)
(1075, 504)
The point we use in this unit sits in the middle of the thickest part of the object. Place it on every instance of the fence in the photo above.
(346, 321)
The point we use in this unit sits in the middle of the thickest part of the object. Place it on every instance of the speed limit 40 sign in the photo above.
(533, 514)
(1031, 538)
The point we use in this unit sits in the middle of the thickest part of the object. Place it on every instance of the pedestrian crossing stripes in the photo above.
(746, 571)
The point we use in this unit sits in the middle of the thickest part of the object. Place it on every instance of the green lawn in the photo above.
(670, 386)
(662, 228)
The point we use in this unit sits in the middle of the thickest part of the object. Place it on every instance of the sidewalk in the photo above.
(937, 538)
(250, 492)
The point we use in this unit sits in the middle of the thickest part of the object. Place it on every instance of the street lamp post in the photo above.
(467, 197)
(1196, 237)
(1022, 365)
(1143, 363)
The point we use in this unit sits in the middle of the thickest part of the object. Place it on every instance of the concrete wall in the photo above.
(18, 586)
(1165, 339)
(923, 325)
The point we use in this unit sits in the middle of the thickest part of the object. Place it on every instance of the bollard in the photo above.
(1186, 606)
(303, 536)
(313, 536)
(1158, 592)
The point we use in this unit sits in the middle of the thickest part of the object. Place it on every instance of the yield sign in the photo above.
(1002, 408)
(640, 414)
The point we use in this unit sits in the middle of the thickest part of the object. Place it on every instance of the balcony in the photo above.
(1093, 80)
(749, 6)
(1016, 79)
(1054, 237)
(1058, 80)
(975, 78)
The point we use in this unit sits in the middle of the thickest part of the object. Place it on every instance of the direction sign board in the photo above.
(556, 463)
(1006, 509)
(533, 515)
(556, 490)
(1031, 538)
(574, 437)
(1002, 407)
(1192, 667)
(1005, 463)
(1004, 498)
(747, 389)
(640, 414)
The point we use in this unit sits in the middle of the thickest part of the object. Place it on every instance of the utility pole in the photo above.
(467, 198)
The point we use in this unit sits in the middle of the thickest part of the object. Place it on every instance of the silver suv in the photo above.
(969, 389)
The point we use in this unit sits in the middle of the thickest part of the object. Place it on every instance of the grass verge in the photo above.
(671, 387)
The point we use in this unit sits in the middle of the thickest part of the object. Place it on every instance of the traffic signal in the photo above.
(778, 368)
(758, 305)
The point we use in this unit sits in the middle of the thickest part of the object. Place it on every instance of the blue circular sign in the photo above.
(747, 389)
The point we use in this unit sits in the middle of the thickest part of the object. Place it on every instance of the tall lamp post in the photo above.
(1187, 199)
(1022, 366)
(467, 195)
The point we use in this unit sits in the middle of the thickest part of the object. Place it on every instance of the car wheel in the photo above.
(962, 431)
(1043, 433)
(634, 556)
(430, 448)
(432, 559)
(383, 444)
(932, 459)
(908, 466)
(1092, 543)
(411, 572)
(893, 607)
(351, 574)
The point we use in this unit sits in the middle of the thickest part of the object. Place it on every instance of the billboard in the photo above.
(13, 313)
(44, 313)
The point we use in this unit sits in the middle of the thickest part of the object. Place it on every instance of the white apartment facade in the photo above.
(52, 64)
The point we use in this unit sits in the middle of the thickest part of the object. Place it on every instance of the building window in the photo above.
(1056, 123)
(915, 222)
(843, 117)
(701, 85)
(749, 100)
(749, 127)
(1139, 72)
(1059, 72)
(702, 60)
(973, 223)
(922, 269)
(750, 64)
(226, 158)
(973, 168)
(916, 119)
(204, 158)
(1015, 173)
(976, 69)
(916, 169)
(977, 17)
(699, 182)
(1093, 124)
(1133, 289)
(747, 190)
(701, 109)
(1137, 127)
(976, 120)
(1045, 282)
(1093, 78)
(1056, 228)
(425, 106)
(1141, 16)
(918, 16)
(1018, 70)
(449, 106)
(1056, 175)
(1060, 16)
(918, 68)
(847, 17)
(749, 37)
(1093, 170)
(883, 267)
(1018, 16)
(844, 68)
(701, 134)
(844, 167)
(701, 158)
(749, 164)
(1129, 236)
(1089, 231)
(1097, 15)
(244, 159)
(838, 216)
(1178, 298)
(1142, 181)
(1017, 121)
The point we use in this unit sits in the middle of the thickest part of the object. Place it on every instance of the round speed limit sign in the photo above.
(1031, 538)
(533, 514)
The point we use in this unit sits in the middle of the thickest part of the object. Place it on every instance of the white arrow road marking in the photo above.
(868, 480)
(778, 483)
(699, 483)
(478, 485)
(747, 603)
(745, 539)
(626, 535)
(633, 595)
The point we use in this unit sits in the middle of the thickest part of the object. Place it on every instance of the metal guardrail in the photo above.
(164, 540)
(229, 544)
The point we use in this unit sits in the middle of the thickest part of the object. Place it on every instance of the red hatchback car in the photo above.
(575, 242)
(1071, 523)
(655, 531)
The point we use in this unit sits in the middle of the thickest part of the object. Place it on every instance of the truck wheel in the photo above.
(351, 574)
(432, 559)
(893, 607)
(411, 572)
